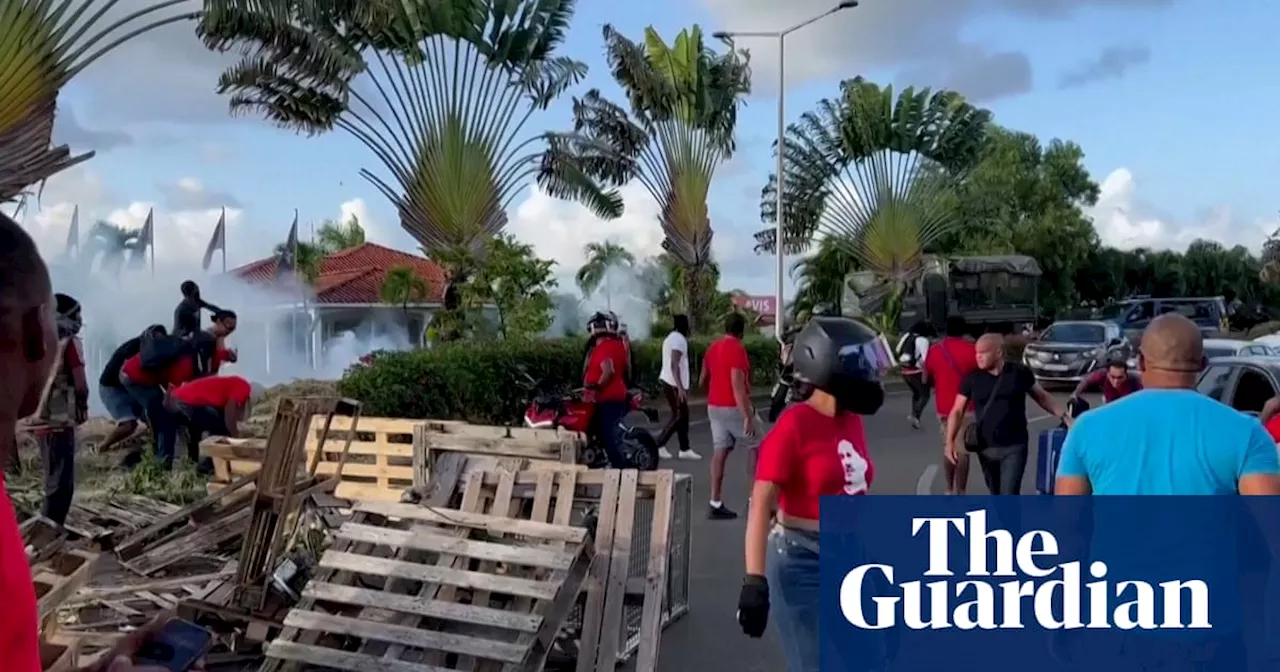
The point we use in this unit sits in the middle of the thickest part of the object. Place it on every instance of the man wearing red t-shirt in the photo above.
(212, 406)
(726, 375)
(945, 366)
(28, 348)
(1115, 381)
(606, 387)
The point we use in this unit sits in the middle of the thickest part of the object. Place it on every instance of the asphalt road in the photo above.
(708, 637)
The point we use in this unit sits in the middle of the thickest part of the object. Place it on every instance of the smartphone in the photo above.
(177, 648)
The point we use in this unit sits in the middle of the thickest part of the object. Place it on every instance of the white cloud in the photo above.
(1125, 221)
(924, 37)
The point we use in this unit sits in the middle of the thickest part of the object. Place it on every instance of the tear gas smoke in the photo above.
(274, 332)
(625, 292)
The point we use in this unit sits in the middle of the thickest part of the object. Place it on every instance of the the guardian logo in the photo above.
(1053, 596)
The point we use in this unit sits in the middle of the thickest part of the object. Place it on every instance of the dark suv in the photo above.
(1133, 315)
(1069, 351)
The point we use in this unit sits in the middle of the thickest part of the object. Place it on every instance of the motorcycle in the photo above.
(572, 412)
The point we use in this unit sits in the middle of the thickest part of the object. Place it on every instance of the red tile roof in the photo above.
(354, 275)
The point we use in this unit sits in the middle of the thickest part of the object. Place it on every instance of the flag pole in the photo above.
(224, 240)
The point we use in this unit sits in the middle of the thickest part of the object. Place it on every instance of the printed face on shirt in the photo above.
(855, 468)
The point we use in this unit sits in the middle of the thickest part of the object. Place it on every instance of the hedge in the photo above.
(481, 382)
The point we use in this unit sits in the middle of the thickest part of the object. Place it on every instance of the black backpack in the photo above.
(906, 351)
(158, 352)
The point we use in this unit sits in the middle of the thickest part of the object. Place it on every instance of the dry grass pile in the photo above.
(264, 412)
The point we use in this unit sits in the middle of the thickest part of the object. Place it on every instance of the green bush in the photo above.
(482, 382)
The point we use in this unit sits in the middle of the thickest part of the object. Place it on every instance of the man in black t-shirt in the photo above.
(999, 391)
(123, 409)
(186, 317)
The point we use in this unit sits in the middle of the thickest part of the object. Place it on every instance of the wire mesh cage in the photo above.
(676, 603)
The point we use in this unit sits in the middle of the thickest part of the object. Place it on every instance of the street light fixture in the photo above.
(781, 35)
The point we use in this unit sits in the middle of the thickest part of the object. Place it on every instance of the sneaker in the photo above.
(915, 422)
(689, 455)
(721, 512)
(664, 453)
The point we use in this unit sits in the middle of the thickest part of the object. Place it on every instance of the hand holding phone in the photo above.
(169, 645)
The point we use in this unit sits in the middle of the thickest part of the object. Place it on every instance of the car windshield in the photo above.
(1074, 333)
(1219, 352)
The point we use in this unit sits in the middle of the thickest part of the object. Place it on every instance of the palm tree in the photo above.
(43, 45)
(683, 104)
(601, 257)
(442, 102)
(308, 261)
(1270, 272)
(111, 246)
(335, 236)
(821, 278)
(874, 174)
(403, 286)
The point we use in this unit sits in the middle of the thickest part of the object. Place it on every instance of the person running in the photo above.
(675, 387)
(945, 365)
(186, 317)
(1168, 439)
(1116, 381)
(605, 387)
(913, 349)
(726, 375)
(817, 448)
(998, 390)
(123, 409)
(28, 350)
(212, 406)
(65, 407)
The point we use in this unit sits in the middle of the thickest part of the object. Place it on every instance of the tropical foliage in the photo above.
(334, 236)
(402, 286)
(875, 173)
(676, 128)
(517, 284)
(44, 44)
(111, 248)
(441, 98)
(309, 258)
(602, 258)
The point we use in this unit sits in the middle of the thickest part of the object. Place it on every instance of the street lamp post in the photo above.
(781, 36)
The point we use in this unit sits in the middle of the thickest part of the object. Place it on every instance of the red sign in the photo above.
(760, 305)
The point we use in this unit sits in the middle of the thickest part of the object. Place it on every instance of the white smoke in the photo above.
(625, 292)
(275, 338)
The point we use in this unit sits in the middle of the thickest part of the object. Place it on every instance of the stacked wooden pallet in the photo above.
(418, 587)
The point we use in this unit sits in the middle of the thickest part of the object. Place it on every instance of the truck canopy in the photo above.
(1016, 264)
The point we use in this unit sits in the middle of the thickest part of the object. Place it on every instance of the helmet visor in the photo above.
(867, 360)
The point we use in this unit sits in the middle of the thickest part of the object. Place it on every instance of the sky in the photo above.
(1161, 94)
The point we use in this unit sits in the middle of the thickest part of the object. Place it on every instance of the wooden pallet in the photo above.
(442, 589)
(59, 577)
(120, 606)
(232, 458)
(105, 521)
(611, 496)
(216, 521)
(491, 448)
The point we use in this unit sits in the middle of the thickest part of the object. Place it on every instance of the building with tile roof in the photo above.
(345, 292)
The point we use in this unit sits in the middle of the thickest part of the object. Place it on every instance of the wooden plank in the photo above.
(597, 580)
(59, 577)
(412, 604)
(405, 636)
(334, 659)
(94, 593)
(490, 523)
(619, 569)
(364, 564)
(655, 589)
(502, 506)
(424, 539)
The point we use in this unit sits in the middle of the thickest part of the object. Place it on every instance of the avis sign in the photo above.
(760, 305)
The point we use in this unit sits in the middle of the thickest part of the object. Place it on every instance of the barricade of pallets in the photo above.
(483, 586)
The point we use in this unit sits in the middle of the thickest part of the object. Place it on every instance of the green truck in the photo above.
(992, 293)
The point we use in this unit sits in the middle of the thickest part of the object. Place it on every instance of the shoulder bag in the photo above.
(973, 441)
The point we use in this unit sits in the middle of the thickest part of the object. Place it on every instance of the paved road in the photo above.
(708, 637)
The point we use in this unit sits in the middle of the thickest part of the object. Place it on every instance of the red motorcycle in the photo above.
(570, 411)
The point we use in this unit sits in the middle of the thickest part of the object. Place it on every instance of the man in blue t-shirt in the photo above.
(1168, 439)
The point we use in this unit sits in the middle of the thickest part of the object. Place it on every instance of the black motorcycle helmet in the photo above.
(843, 358)
(601, 322)
(67, 310)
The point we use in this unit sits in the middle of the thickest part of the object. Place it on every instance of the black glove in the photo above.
(753, 606)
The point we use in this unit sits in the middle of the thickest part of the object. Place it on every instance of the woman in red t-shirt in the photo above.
(817, 448)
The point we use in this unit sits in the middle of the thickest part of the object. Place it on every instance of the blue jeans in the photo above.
(608, 420)
(164, 427)
(791, 565)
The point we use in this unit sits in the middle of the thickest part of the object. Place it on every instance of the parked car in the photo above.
(1069, 351)
(1244, 383)
(1271, 341)
(1230, 347)
(1133, 315)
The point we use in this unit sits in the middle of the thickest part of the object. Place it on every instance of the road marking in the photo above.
(924, 486)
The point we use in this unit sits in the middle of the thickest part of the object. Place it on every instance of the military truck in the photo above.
(992, 293)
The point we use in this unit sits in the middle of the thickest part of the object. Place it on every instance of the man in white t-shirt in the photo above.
(675, 387)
